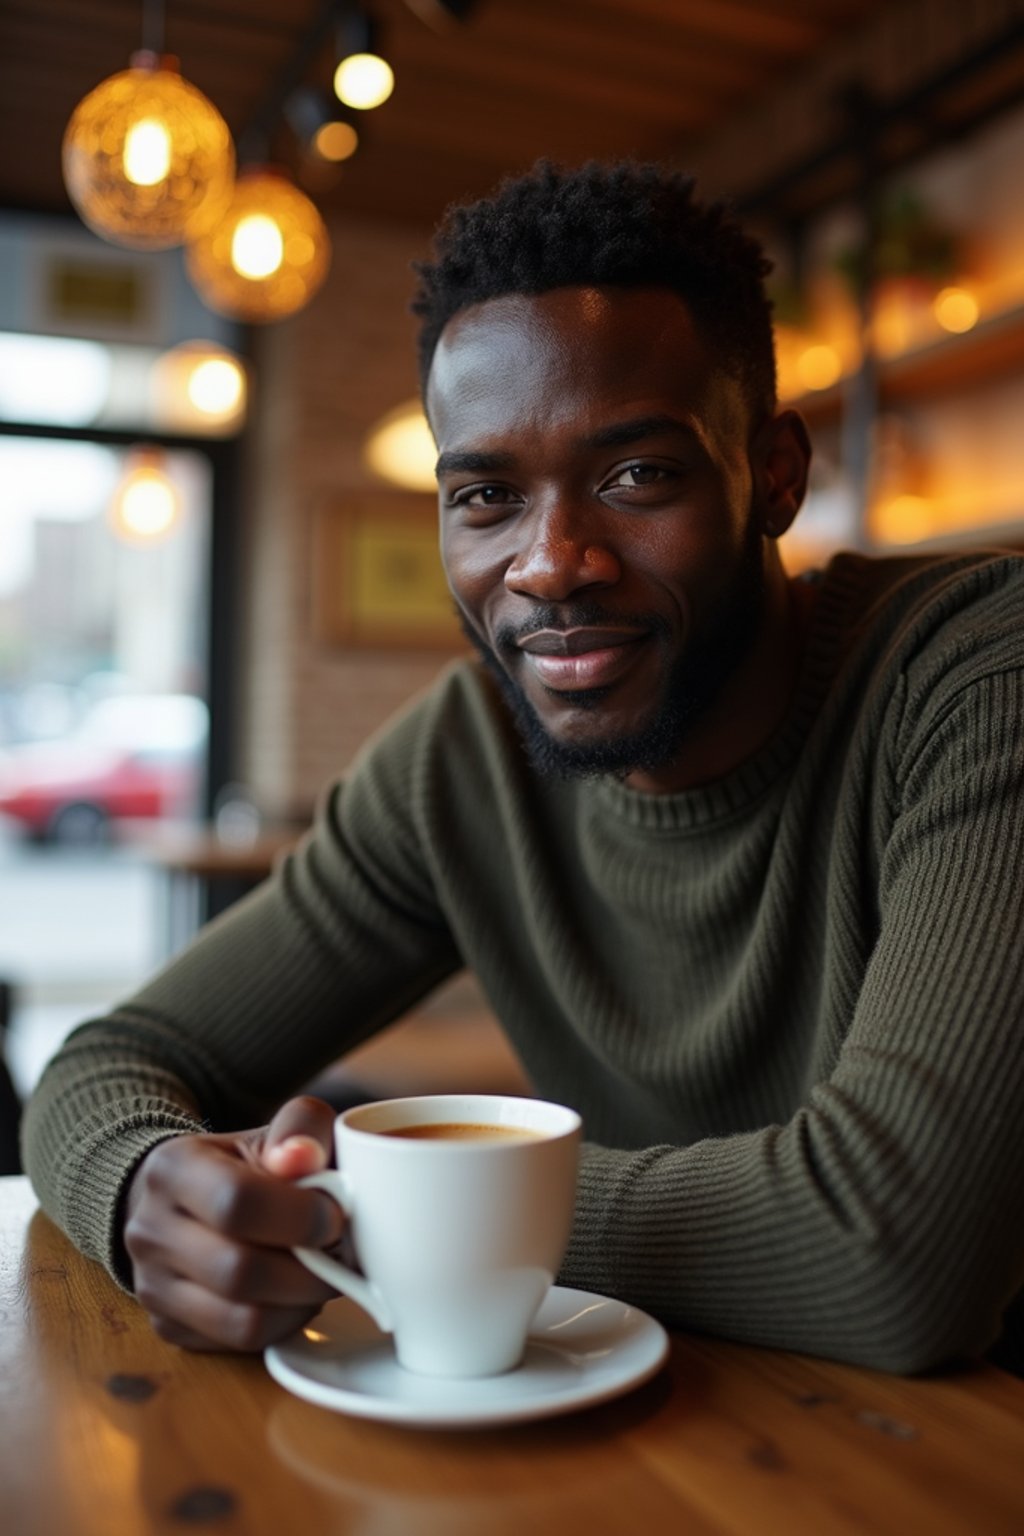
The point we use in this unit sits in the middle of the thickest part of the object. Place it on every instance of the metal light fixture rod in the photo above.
(254, 135)
(153, 30)
(357, 30)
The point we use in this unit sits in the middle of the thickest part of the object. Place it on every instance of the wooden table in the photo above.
(203, 873)
(107, 1431)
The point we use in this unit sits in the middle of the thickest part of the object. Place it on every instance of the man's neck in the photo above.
(753, 703)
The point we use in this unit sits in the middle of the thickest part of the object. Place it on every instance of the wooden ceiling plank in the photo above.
(540, 78)
(81, 17)
(283, 21)
(562, 136)
(603, 46)
(834, 15)
(269, 19)
(734, 22)
(29, 42)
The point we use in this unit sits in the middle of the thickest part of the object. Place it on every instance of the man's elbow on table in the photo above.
(908, 1323)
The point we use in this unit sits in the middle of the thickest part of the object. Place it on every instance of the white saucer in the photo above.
(582, 1349)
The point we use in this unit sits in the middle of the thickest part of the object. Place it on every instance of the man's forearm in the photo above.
(755, 1237)
(96, 1113)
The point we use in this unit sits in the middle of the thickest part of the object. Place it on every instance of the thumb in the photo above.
(299, 1139)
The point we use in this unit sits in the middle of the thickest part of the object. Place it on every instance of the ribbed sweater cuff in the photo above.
(96, 1180)
(605, 1175)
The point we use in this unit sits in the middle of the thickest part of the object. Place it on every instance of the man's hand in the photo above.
(210, 1222)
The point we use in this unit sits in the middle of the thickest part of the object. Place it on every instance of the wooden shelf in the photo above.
(993, 350)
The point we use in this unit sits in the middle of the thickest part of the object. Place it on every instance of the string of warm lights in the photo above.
(149, 162)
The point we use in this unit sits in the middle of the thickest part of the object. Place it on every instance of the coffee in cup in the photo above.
(459, 1209)
(457, 1130)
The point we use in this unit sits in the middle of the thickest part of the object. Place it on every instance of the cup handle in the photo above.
(364, 1292)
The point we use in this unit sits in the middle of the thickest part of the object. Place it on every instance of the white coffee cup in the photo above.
(459, 1237)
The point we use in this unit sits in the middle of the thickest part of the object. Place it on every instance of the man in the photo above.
(735, 857)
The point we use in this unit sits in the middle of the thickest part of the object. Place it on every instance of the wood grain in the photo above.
(103, 1428)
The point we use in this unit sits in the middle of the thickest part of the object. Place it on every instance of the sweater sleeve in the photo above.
(881, 1224)
(344, 938)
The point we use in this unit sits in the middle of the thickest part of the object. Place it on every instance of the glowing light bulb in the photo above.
(198, 386)
(257, 246)
(148, 161)
(147, 153)
(955, 309)
(215, 386)
(268, 255)
(818, 367)
(146, 504)
(335, 141)
(904, 520)
(363, 80)
(401, 448)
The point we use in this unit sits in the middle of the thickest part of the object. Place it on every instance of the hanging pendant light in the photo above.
(268, 254)
(318, 124)
(363, 77)
(199, 387)
(146, 504)
(148, 160)
(401, 448)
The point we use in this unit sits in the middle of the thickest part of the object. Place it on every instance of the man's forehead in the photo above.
(584, 311)
(565, 329)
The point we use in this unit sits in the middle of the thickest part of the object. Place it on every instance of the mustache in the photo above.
(578, 615)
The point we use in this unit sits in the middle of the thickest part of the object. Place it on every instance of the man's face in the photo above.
(596, 495)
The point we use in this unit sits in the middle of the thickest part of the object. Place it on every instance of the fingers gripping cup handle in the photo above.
(344, 1279)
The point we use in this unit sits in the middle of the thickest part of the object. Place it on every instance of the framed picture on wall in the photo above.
(378, 581)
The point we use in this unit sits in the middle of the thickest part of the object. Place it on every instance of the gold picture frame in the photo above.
(378, 581)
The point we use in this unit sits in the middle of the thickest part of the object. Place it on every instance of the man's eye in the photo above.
(482, 496)
(638, 474)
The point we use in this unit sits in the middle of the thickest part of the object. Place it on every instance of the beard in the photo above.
(711, 655)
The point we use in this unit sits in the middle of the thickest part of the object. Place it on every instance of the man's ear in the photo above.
(782, 451)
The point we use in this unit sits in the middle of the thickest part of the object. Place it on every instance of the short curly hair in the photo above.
(622, 224)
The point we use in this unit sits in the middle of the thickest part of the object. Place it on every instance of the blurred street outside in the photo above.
(79, 929)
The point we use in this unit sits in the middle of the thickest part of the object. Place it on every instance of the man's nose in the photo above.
(564, 554)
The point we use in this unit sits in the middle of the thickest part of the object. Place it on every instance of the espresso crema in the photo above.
(462, 1130)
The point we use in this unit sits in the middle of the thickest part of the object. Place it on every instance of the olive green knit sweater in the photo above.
(789, 1005)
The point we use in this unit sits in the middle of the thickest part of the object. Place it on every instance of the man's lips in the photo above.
(574, 642)
(567, 660)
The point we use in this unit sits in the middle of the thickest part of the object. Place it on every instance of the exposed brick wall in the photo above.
(325, 378)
